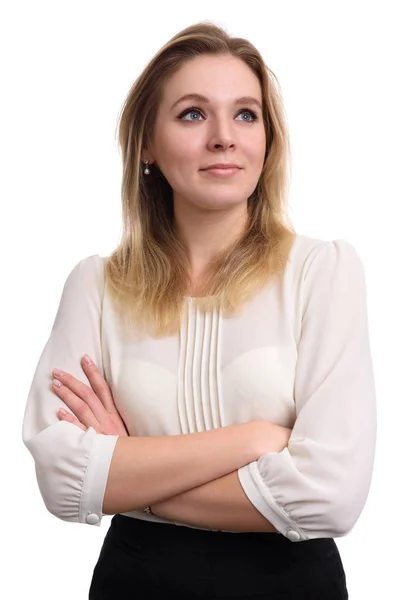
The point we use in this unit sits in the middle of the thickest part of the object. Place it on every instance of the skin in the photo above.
(210, 213)
(218, 504)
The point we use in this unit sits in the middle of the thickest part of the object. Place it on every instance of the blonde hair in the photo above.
(148, 275)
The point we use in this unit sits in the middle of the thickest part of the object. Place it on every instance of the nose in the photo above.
(221, 135)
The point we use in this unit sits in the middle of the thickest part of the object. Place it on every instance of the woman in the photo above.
(227, 418)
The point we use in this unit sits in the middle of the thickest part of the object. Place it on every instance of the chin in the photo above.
(220, 203)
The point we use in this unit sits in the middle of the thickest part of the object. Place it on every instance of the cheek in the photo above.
(175, 162)
(176, 140)
(259, 141)
(181, 163)
(179, 151)
(255, 153)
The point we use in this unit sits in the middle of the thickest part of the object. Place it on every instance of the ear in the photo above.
(147, 154)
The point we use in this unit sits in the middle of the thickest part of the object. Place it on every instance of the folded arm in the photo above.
(219, 504)
(317, 484)
(82, 474)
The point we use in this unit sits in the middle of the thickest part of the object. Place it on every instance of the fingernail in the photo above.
(87, 359)
(58, 372)
(62, 411)
(57, 383)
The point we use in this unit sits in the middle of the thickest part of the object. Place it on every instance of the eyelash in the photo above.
(253, 114)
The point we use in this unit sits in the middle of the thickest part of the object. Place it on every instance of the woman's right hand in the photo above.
(90, 406)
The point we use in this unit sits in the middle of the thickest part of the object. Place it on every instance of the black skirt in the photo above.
(143, 559)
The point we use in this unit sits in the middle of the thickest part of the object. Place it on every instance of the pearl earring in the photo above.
(147, 170)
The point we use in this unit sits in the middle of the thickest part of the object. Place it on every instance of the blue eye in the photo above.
(190, 111)
(195, 110)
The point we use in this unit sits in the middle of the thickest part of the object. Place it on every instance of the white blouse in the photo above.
(297, 355)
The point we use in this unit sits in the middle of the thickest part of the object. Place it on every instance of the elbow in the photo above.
(71, 470)
(328, 519)
(342, 517)
(338, 528)
(62, 503)
(67, 505)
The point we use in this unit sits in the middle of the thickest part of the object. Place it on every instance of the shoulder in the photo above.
(90, 265)
(308, 252)
(87, 274)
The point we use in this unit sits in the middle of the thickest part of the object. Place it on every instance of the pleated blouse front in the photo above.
(297, 354)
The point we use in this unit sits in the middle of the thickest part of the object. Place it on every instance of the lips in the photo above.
(227, 172)
(221, 166)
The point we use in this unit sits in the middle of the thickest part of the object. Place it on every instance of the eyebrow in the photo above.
(200, 98)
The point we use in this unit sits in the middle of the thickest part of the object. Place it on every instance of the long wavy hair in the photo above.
(148, 275)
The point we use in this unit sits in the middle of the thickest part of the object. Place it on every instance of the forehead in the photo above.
(221, 78)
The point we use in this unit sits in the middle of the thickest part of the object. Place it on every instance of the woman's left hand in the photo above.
(91, 406)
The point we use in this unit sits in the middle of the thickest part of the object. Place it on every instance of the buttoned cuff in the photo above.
(260, 496)
(95, 479)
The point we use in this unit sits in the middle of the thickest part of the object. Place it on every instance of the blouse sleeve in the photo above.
(71, 464)
(318, 485)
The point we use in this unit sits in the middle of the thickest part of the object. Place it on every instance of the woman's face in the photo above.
(218, 130)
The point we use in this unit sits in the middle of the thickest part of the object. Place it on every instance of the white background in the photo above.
(66, 69)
